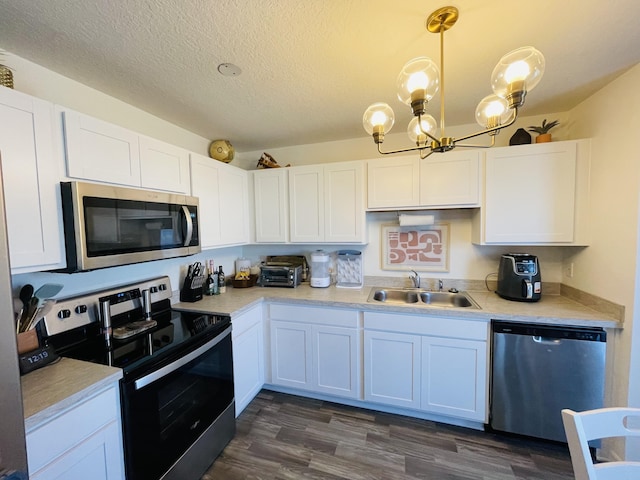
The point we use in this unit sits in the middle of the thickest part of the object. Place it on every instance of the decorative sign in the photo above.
(416, 248)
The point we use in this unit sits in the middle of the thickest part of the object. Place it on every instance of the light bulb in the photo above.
(377, 120)
(517, 73)
(416, 134)
(417, 83)
(492, 111)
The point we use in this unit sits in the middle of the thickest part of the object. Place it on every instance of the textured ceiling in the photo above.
(310, 68)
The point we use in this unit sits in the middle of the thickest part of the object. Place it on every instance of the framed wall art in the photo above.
(423, 248)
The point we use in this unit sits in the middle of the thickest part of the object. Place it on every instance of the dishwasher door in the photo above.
(537, 370)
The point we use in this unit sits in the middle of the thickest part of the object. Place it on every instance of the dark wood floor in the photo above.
(283, 437)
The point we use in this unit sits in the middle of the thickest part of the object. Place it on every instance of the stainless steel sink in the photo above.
(423, 298)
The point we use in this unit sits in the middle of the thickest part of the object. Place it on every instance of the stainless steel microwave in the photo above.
(106, 226)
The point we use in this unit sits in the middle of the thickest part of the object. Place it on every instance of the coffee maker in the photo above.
(519, 277)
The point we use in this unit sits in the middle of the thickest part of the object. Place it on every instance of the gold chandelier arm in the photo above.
(437, 140)
(471, 145)
(489, 130)
(403, 150)
(422, 156)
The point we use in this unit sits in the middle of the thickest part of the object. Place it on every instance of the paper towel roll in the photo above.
(415, 220)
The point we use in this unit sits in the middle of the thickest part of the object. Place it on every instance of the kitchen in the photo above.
(596, 270)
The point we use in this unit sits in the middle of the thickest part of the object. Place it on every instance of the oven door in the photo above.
(168, 410)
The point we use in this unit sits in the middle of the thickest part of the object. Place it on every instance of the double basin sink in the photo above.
(421, 298)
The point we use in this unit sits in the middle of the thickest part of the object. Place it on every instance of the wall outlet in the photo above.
(568, 271)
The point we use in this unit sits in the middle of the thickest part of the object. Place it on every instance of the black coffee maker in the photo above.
(519, 277)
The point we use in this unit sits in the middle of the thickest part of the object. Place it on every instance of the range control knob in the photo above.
(162, 287)
(153, 289)
(66, 313)
(81, 309)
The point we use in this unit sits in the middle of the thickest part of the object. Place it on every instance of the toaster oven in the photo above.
(280, 275)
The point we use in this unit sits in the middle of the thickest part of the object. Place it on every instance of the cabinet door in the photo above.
(344, 202)
(205, 180)
(163, 166)
(99, 457)
(530, 194)
(30, 179)
(306, 204)
(271, 196)
(454, 377)
(291, 356)
(100, 151)
(248, 357)
(450, 179)
(224, 198)
(233, 197)
(393, 182)
(336, 365)
(392, 368)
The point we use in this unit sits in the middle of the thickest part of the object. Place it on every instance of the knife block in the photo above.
(192, 289)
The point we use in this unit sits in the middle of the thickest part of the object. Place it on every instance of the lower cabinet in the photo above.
(316, 349)
(436, 365)
(248, 356)
(83, 442)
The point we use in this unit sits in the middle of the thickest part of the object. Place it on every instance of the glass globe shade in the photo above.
(416, 134)
(378, 118)
(492, 111)
(419, 79)
(518, 71)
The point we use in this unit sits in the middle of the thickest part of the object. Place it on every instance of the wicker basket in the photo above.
(6, 76)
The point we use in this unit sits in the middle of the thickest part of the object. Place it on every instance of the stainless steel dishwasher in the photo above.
(537, 370)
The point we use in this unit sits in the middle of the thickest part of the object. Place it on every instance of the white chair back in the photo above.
(581, 427)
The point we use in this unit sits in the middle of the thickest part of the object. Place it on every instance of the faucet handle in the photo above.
(415, 278)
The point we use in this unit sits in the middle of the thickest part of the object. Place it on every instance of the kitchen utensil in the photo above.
(48, 290)
(40, 313)
(26, 292)
(30, 311)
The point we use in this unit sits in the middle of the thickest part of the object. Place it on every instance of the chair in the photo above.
(581, 427)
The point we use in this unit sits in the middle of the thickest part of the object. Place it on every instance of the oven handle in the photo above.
(172, 367)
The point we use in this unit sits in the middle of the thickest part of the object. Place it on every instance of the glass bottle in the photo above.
(221, 280)
(208, 284)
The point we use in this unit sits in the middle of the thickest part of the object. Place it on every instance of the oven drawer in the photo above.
(49, 441)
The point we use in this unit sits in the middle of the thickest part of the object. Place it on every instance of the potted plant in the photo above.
(543, 130)
(6, 75)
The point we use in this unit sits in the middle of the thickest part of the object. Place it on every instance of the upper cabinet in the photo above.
(393, 182)
(30, 179)
(271, 205)
(442, 180)
(163, 166)
(450, 179)
(103, 152)
(224, 201)
(535, 195)
(326, 203)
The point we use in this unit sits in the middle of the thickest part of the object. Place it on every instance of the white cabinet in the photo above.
(442, 180)
(326, 203)
(393, 182)
(248, 356)
(453, 377)
(316, 349)
(163, 166)
(450, 179)
(535, 195)
(271, 198)
(30, 179)
(102, 152)
(224, 202)
(392, 368)
(436, 365)
(82, 442)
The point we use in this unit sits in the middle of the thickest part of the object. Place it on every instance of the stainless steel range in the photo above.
(178, 407)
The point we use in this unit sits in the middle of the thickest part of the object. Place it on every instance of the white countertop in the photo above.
(49, 390)
(551, 309)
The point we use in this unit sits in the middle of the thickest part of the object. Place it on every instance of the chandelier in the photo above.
(518, 72)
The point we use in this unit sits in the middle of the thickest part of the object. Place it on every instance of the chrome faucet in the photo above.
(440, 285)
(415, 278)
